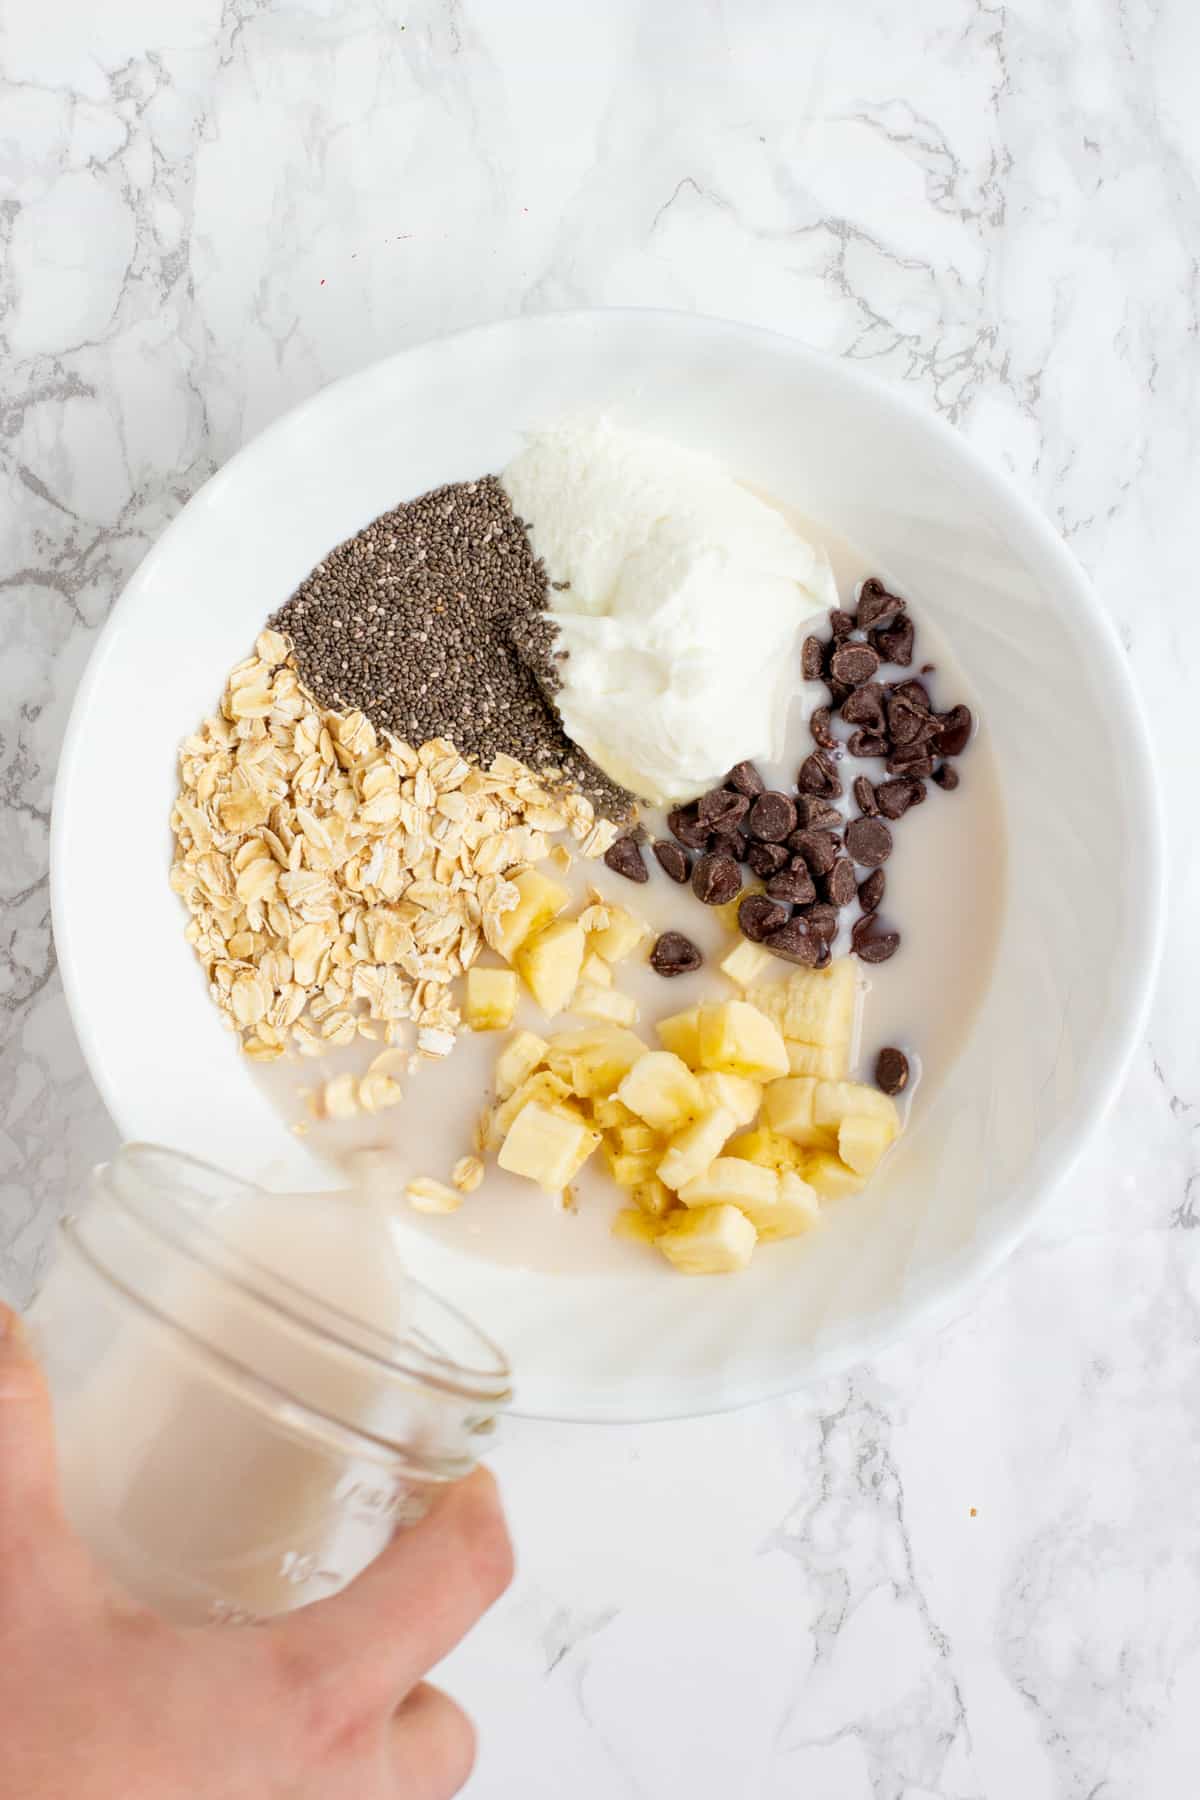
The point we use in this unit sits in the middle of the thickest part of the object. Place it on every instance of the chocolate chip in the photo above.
(915, 692)
(819, 725)
(870, 894)
(869, 842)
(918, 790)
(946, 776)
(841, 624)
(841, 885)
(891, 1071)
(864, 795)
(684, 824)
(839, 690)
(722, 810)
(812, 659)
(872, 945)
(865, 707)
(733, 843)
(767, 859)
(906, 723)
(854, 664)
(758, 917)
(772, 816)
(744, 778)
(817, 776)
(716, 879)
(793, 886)
(818, 848)
(895, 642)
(625, 858)
(894, 797)
(875, 605)
(955, 733)
(675, 954)
(823, 921)
(796, 943)
(817, 814)
(868, 744)
(672, 860)
(912, 760)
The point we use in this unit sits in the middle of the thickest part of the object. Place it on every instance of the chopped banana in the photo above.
(789, 1109)
(637, 1226)
(766, 1147)
(661, 1089)
(777, 1206)
(540, 901)
(817, 1007)
(680, 1035)
(862, 1142)
(713, 1240)
(829, 1062)
(612, 1113)
(630, 1169)
(797, 1210)
(546, 1145)
(596, 970)
(518, 1059)
(834, 1101)
(544, 1087)
(491, 999)
(730, 1180)
(737, 1039)
(595, 1061)
(742, 1098)
(592, 1002)
(620, 936)
(550, 961)
(638, 1138)
(654, 1197)
(692, 1149)
(829, 1175)
(745, 962)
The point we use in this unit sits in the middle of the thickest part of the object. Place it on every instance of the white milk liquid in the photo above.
(945, 882)
(212, 1497)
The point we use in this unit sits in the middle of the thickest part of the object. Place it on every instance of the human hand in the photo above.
(101, 1700)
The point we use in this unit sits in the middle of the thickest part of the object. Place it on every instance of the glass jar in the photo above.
(250, 1395)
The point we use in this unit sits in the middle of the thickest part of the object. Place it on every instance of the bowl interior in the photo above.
(1080, 921)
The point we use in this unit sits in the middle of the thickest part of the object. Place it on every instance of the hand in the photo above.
(101, 1700)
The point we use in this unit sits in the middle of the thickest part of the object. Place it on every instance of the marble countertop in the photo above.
(972, 1569)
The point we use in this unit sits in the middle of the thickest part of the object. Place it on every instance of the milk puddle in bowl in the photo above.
(945, 882)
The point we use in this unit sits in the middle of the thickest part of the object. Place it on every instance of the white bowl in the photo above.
(1081, 925)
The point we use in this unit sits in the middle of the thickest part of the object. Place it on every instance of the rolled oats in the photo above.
(339, 880)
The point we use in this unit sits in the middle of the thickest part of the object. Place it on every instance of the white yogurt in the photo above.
(684, 602)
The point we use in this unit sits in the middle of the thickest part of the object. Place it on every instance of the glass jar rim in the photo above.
(142, 1176)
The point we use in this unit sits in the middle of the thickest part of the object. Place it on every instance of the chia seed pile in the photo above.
(432, 622)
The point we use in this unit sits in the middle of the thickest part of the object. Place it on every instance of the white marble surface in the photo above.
(208, 210)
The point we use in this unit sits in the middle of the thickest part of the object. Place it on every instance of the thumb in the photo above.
(28, 1474)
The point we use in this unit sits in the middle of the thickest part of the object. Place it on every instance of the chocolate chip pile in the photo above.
(813, 861)
(432, 622)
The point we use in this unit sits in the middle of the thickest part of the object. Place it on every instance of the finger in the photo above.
(433, 1745)
(28, 1471)
(409, 1609)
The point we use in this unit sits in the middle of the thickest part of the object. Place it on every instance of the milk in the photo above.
(246, 1434)
(945, 880)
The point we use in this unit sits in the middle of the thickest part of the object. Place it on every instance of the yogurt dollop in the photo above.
(684, 600)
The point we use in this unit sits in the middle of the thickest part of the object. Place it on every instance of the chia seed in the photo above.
(432, 621)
